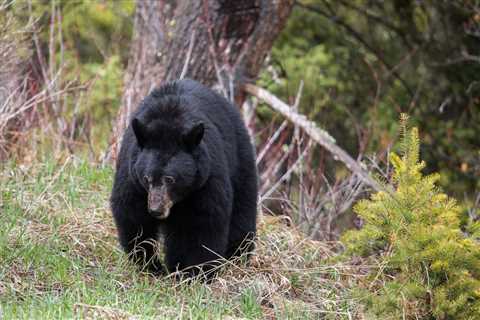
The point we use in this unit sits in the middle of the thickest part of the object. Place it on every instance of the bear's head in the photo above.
(172, 161)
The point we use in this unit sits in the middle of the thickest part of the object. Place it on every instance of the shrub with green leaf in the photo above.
(428, 267)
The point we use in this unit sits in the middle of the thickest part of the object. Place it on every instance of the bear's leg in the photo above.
(244, 218)
(198, 233)
(196, 248)
(138, 234)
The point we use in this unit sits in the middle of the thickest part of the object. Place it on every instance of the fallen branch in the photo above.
(318, 135)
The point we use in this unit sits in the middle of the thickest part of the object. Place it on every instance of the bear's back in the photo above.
(223, 115)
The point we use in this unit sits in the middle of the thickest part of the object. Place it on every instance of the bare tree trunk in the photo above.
(221, 43)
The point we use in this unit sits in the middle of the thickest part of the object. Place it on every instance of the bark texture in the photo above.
(224, 43)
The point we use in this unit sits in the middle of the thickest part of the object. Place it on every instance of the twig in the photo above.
(189, 54)
(285, 176)
(271, 140)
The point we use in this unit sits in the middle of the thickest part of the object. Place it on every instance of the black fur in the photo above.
(196, 138)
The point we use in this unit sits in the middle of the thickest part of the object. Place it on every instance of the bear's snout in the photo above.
(159, 202)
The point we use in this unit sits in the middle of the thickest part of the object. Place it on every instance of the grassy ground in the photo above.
(59, 259)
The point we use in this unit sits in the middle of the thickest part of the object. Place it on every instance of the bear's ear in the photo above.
(194, 136)
(139, 132)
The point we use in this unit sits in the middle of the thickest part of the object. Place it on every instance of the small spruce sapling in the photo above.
(430, 268)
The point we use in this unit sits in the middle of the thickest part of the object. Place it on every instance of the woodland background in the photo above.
(72, 71)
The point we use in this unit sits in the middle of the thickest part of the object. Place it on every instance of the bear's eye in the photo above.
(168, 180)
(147, 179)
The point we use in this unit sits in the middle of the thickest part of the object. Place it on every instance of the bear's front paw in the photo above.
(154, 268)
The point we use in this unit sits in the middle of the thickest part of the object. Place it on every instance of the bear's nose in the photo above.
(168, 180)
(159, 202)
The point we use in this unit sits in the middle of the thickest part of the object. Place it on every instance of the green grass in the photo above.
(59, 259)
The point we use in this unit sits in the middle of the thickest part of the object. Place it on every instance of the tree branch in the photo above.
(318, 135)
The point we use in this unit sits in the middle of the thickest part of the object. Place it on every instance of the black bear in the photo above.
(185, 171)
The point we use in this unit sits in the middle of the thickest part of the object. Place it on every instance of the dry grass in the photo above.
(59, 258)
